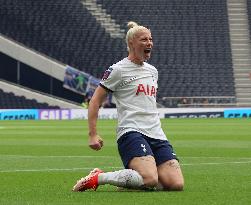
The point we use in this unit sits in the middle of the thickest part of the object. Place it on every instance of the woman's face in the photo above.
(141, 45)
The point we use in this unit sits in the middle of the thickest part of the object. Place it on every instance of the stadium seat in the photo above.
(191, 39)
(10, 101)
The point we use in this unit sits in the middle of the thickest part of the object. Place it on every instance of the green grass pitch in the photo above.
(40, 161)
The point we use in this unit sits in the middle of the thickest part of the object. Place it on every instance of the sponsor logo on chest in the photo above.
(146, 90)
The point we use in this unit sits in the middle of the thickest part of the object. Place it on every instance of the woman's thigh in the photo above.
(170, 175)
(146, 167)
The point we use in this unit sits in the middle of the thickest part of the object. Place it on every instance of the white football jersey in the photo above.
(134, 89)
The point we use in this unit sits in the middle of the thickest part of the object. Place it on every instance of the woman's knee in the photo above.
(175, 185)
(150, 180)
(171, 176)
(146, 167)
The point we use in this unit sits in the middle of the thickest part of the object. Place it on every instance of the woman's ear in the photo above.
(130, 43)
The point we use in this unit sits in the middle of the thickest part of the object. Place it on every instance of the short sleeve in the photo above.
(111, 79)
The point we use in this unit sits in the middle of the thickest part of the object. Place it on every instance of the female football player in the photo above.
(149, 159)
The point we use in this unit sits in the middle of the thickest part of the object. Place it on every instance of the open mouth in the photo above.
(147, 50)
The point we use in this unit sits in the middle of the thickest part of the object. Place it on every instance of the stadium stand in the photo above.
(10, 101)
(63, 30)
(191, 43)
(249, 15)
(191, 39)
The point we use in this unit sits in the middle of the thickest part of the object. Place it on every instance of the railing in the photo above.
(205, 101)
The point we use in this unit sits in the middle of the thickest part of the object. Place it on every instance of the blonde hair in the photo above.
(133, 28)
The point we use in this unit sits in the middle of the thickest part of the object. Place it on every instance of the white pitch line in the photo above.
(55, 169)
(201, 157)
(96, 156)
(55, 156)
(90, 168)
(215, 163)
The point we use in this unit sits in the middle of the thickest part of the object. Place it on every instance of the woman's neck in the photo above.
(135, 60)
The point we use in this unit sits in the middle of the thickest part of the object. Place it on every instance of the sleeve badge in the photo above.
(107, 73)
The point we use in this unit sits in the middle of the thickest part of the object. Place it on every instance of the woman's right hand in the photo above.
(95, 142)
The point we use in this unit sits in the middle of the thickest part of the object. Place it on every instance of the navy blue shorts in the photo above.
(135, 144)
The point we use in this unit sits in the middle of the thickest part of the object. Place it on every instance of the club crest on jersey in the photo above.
(107, 73)
(146, 90)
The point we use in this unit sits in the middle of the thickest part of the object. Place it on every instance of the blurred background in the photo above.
(201, 50)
